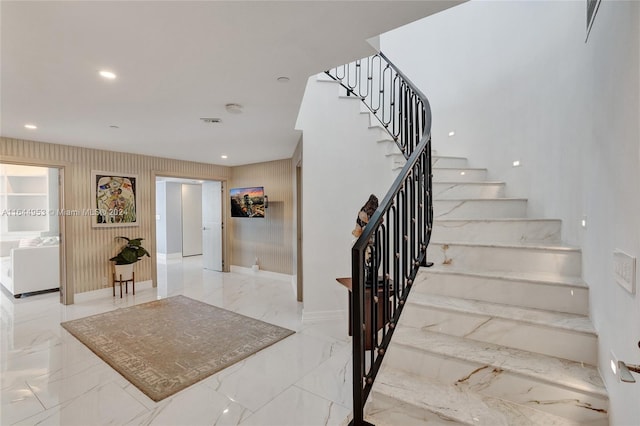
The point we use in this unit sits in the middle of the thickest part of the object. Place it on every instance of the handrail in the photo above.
(388, 254)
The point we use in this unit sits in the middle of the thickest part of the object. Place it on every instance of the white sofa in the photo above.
(29, 269)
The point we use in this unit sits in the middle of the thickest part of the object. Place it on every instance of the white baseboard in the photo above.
(164, 257)
(321, 316)
(266, 274)
(107, 292)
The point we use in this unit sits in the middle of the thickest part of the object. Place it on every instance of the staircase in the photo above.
(497, 331)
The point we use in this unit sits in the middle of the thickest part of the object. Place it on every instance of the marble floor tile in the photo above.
(104, 404)
(261, 377)
(18, 402)
(205, 407)
(49, 377)
(332, 379)
(297, 407)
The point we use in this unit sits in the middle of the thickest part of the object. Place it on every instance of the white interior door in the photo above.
(212, 225)
(191, 220)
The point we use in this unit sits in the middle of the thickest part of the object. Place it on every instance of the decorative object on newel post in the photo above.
(365, 213)
(129, 254)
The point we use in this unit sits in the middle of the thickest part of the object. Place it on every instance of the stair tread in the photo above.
(460, 168)
(448, 157)
(544, 368)
(451, 402)
(323, 78)
(448, 200)
(471, 182)
(534, 245)
(515, 219)
(536, 277)
(561, 320)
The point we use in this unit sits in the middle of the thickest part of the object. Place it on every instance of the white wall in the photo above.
(169, 225)
(269, 239)
(161, 217)
(343, 165)
(516, 81)
(191, 203)
(54, 200)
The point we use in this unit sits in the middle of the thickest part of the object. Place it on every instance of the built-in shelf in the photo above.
(34, 194)
(24, 199)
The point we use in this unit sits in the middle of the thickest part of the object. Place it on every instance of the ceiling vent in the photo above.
(211, 120)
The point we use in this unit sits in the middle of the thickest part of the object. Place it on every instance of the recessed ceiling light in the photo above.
(224, 157)
(107, 74)
(283, 79)
(516, 163)
(233, 108)
(31, 126)
(452, 133)
(462, 173)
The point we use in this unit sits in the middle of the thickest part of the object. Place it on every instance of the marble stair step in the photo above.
(457, 174)
(397, 161)
(397, 165)
(558, 334)
(497, 230)
(539, 291)
(399, 398)
(483, 257)
(448, 161)
(463, 190)
(381, 134)
(558, 386)
(487, 208)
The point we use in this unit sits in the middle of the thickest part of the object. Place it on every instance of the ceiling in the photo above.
(177, 62)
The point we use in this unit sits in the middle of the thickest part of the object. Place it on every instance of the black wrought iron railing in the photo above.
(393, 245)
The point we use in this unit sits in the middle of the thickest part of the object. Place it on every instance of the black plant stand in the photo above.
(126, 284)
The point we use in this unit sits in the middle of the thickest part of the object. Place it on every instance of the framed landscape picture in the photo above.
(114, 199)
(248, 202)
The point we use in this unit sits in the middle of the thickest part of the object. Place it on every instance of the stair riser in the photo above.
(398, 161)
(459, 175)
(526, 294)
(387, 410)
(558, 342)
(461, 191)
(381, 135)
(506, 259)
(390, 148)
(449, 162)
(491, 381)
(479, 209)
(547, 231)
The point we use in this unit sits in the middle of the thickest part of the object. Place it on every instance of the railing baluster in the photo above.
(394, 243)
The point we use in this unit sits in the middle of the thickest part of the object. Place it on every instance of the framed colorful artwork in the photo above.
(114, 199)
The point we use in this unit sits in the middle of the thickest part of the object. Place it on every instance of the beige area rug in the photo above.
(167, 345)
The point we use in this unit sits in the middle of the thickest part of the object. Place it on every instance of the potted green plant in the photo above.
(129, 254)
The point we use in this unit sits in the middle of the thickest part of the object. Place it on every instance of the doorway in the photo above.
(192, 226)
(189, 221)
(31, 227)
